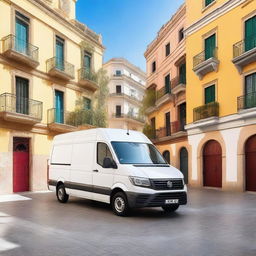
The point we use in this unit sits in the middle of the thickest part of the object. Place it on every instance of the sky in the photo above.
(127, 26)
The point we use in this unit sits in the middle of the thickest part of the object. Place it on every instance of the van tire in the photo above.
(119, 204)
(61, 194)
(170, 208)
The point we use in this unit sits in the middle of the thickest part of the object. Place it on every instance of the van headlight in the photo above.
(141, 182)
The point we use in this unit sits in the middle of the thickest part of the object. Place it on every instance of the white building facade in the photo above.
(126, 91)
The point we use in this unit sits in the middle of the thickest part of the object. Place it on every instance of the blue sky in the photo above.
(127, 26)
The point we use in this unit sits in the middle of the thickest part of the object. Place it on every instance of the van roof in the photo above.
(104, 134)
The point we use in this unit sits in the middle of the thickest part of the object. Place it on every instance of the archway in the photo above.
(166, 155)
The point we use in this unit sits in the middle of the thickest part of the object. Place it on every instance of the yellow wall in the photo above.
(229, 83)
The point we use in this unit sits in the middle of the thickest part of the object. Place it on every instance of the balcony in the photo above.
(131, 98)
(203, 64)
(178, 84)
(207, 113)
(19, 50)
(247, 103)
(132, 117)
(175, 130)
(60, 121)
(163, 96)
(244, 53)
(20, 110)
(61, 69)
(88, 79)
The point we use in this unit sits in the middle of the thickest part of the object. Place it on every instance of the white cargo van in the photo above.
(114, 166)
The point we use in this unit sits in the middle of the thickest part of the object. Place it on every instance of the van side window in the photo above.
(102, 152)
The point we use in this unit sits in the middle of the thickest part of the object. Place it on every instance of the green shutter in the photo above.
(182, 71)
(22, 94)
(209, 94)
(167, 84)
(250, 91)
(250, 33)
(210, 45)
(207, 2)
(87, 103)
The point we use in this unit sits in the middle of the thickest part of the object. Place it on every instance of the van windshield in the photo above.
(137, 153)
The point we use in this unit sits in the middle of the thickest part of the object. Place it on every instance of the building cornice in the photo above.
(85, 35)
(123, 61)
(216, 13)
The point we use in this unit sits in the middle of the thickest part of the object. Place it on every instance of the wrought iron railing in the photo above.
(85, 74)
(61, 65)
(121, 94)
(130, 116)
(177, 81)
(178, 126)
(14, 104)
(205, 55)
(12, 42)
(205, 111)
(75, 118)
(243, 46)
(246, 101)
(163, 91)
(163, 132)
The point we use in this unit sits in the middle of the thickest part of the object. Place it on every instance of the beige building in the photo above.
(47, 63)
(126, 91)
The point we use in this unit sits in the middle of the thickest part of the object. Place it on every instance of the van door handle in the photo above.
(95, 171)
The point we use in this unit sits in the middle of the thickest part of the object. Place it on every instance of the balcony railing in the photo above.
(57, 64)
(163, 132)
(178, 126)
(203, 56)
(13, 43)
(10, 103)
(75, 119)
(85, 74)
(129, 116)
(174, 127)
(206, 111)
(244, 46)
(246, 101)
(163, 91)
(121, 94)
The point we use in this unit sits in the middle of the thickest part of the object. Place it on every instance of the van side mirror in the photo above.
(109, 163)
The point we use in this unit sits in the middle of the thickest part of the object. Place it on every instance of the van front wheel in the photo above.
(119, 204)
(61, 194)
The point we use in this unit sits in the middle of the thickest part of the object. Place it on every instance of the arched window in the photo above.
(166, 155)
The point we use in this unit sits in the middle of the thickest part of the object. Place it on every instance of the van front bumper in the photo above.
(139, 200)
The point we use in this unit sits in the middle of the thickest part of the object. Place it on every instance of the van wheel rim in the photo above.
(61, 193)
(119, 204)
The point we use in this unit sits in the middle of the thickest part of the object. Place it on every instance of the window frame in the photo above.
(153, 67)
(97, 159)
(181, 32)
(167, 49)
(215, 95)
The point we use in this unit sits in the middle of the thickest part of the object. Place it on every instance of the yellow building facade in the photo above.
(221, 93)
(48, 62)
(166, 91)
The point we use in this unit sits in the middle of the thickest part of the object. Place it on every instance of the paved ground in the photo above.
(213, 223)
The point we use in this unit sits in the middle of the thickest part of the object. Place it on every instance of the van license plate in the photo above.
(171, 201)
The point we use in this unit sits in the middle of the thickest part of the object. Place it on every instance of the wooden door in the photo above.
(20, 164)
(210, 45)
(184, 163)
(168, 123)
(250, 163)
(59, 107)
(212, 164)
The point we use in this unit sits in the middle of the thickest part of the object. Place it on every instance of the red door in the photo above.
(212, 164)
(250, 163)
(20, 164)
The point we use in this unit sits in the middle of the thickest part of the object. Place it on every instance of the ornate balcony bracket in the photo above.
(206, 67)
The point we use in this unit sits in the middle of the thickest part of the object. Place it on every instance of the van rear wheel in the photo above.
(119, 204)
(61, 194)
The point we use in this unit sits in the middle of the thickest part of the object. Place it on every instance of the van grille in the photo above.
(167, 184)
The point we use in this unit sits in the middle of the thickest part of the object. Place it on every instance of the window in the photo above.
(153, 66)
(118, 89)
(22, 33)
(87, 61)
(207, 2)
(22, 95)
(167, 50)
(250, 33)
(59, 53)
(118, 73)
(118, 111)
(167, 82)
(137, 153)
(181, 34)
(102, 152)
(210, 46)
(87, 103)
(209, 94)
(168, 123)
(250, 91)
(182, 73)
